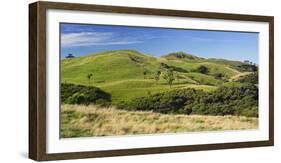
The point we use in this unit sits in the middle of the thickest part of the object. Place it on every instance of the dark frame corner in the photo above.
(37, 79)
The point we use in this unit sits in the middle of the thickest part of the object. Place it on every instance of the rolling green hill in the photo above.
(127, 74)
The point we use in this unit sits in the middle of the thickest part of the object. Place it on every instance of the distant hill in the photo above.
(128, 74)
(182, 55)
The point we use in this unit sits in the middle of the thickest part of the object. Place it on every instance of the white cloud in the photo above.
(93, 38)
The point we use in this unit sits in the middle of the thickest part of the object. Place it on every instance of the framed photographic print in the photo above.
(112, 81)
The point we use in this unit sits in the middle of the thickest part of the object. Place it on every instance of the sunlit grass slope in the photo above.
(121, 73)
(107, 67)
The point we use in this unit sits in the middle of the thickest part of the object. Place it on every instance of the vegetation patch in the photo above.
(241, 100)
(250, 78)
(79, 94)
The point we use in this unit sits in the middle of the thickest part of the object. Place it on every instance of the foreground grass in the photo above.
(83, 121)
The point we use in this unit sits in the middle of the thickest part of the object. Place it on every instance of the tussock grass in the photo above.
(83, 121)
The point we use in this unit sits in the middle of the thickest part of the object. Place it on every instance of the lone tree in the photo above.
(144, 74)
(169, 77)
(157, 76)
(202, 69)
(89, 77)
(70, 56)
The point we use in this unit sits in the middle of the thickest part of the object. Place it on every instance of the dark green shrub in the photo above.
(248, 67)
(239, 100)
(167, 102)
(76, 98)
(203, 69)
(251, 78)
(78, 94)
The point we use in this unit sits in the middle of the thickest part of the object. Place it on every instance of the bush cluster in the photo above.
(251, 78)
(79, 94)
(248, 67)
(203, 69)
(239, 100)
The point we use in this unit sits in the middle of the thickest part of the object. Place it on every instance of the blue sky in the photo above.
(82, 39)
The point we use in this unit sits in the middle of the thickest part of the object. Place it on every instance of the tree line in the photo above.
(238, 99)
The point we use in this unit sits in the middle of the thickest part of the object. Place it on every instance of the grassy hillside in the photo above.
(128, 92)
(107, 67)
(83, 121)
(127, 74)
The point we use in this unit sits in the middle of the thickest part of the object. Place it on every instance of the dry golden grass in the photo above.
(80, 121)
